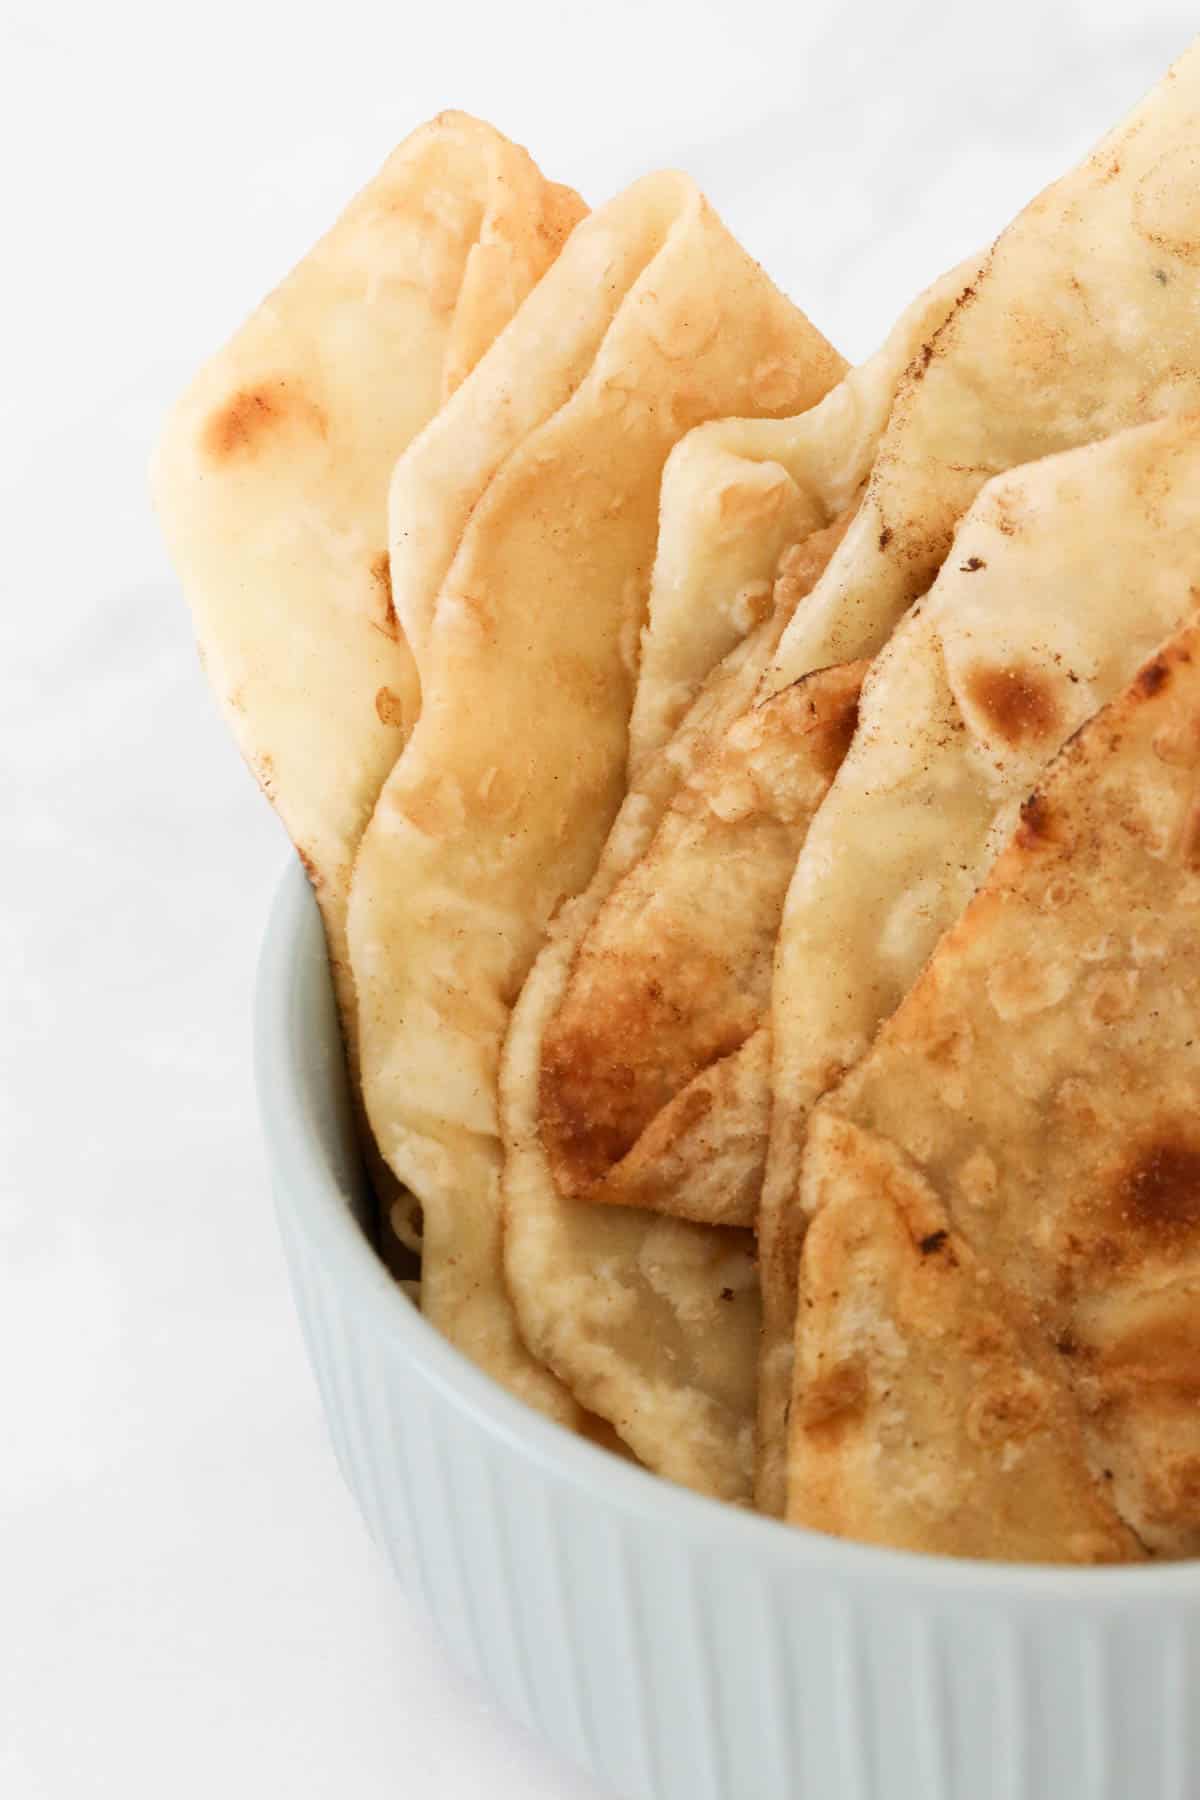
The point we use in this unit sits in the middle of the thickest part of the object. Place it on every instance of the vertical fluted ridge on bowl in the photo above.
(779, 1706)
(1181, 1737)
(400, 1547)
(649, 1768)
(927, 1680)
(849, 1694)
(350, 1384)
(567, 1638)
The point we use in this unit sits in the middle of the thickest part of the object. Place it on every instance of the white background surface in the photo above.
(188, 1605)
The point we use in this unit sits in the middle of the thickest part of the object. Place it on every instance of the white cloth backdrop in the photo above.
(188, 1605)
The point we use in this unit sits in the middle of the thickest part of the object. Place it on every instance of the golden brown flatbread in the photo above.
(1039, 616)
(1034, 1102)
(674, 975)
(682, 1381)
(653, 1084)
(501, 803)
(930, 1413)
(1081, 324)
(271, 478)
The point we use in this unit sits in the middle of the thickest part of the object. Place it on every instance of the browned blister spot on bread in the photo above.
(602, 1079)
(1017, 702)
(836, 1393)
(1036, 826)
(256, 416)
(384, 611)
(832, 736)
(389, 707)
(1158, 1194)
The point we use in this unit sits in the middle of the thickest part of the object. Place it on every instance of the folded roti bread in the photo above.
(654, 1071)
(550, 347)
(1034, 1099)
(271, 479)
(1040, 615)
(1082, 323)
(683, 1387)
(500, 805)
(739, 493)
(653, 1322)
(931, 1413)
(673, 977)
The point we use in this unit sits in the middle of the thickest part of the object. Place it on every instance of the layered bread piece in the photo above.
(1009, 1182)
(271, 478)
(652, 1089)
(500, 805)
(1082, 323)
(930, 1412)
(656, 1321)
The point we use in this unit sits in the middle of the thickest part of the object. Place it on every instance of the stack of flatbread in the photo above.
(755, 808)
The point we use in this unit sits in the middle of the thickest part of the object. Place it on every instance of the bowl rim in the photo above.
(305, 1185)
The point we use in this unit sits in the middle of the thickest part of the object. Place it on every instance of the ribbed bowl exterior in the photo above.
(676, 1649)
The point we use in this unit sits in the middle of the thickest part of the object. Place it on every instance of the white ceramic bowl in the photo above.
(678, 1649)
